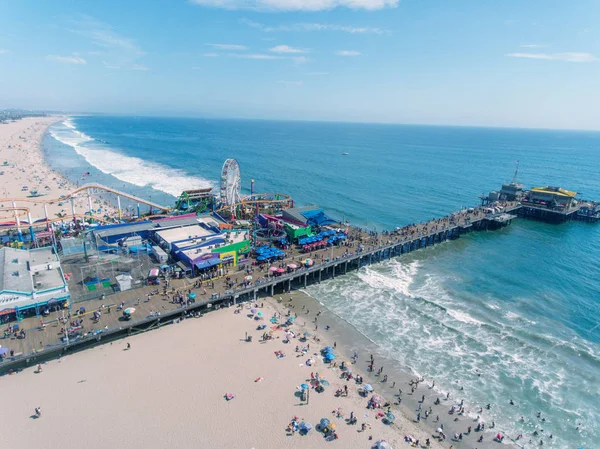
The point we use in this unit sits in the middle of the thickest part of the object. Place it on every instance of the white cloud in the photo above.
(233, 47)
(298, 5)
(196, 68)
(532, 46)
(300, 60)
(110, 66)
(102, 35)
(347, 53)
(211, 55)
(569, 57)
(140, 67)
(299, 27)
(256, 56)
(291, 83)
(3, 51)
(286, 49)
(67, 59)
(318, 73)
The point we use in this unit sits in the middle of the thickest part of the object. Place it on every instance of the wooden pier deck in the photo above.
(363, 249)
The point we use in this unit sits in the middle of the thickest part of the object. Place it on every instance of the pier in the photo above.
(362, 248)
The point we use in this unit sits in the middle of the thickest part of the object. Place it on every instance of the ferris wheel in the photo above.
(230, 183)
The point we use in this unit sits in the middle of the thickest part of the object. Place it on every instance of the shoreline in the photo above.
(350, 341)
(26, 170)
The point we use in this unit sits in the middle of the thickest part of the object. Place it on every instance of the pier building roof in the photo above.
(30, 278)
(558, 191)
(183, 233)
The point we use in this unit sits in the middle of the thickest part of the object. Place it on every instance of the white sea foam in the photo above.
(417, 322)
(463, 317)
(128, 169)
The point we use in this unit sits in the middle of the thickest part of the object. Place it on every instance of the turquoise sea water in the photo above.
(519, 306)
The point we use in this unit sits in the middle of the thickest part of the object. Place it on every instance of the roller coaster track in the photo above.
(24, 224)
(39, 199)
(260, 199)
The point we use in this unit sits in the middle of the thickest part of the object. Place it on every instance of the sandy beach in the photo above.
(22, 164)
(168, 390)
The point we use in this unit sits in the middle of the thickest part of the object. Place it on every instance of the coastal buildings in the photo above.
(31, 280)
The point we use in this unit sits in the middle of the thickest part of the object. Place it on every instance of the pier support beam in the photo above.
(320, 271)
(333, 272)
(254, 295)
(31, 227)
(289, 285)
(305, 279)
(119, 207)
(90, 204)
(346, 267)
(46, 216)
(272, 290)
(73, 210)
(17, 219)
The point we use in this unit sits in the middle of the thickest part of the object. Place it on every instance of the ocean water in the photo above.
(510, 314)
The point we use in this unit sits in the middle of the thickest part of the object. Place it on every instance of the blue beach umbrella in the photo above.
(324, 422)
(291, 319)
(368, 387)
(328, 349)
(329, 356)
(304, 386)
(259, 314)
(390, 416)
(252, 311)
(305, 426)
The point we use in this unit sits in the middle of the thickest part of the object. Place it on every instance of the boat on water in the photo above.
(345, 154)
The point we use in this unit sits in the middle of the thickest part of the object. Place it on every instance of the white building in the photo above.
(30, 279)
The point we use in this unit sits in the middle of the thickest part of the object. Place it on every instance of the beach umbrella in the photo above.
(292, 266)
(329, 356)
(390, 416)
(259, 314)
(306, 426)
(376, 398)
(324, 382)
(306, 335)
(324, 422)
(304, 386)
(273, 269)
(273, 320)
(253, 311)
(439, 430)
(248, 278)
(381, 444)
(129, 311)
(328, 349)
(368, 387)
(291, 319)
(3, 351)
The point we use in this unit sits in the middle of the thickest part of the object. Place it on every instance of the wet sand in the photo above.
(349, 340)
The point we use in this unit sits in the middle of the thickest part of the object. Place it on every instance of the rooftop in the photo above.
(558, 191)
(15, 275)
(183, 233)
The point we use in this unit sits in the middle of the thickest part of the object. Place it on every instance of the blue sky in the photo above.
(533, 63)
